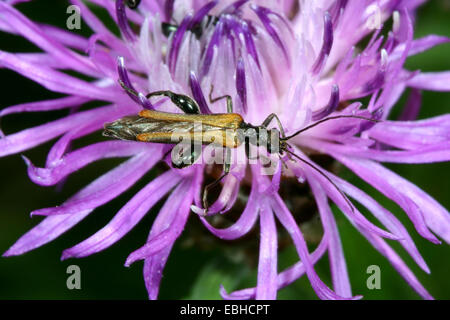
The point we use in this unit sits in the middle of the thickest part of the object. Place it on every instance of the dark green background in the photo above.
(193, 271)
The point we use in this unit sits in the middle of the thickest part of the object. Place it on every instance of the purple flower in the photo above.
(303, 62)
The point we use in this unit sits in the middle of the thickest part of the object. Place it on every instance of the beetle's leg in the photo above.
(187, 160)
(184, 102)
(228, 97)
(127, 89)
(166, 93)
(226, 170)
(269, 120)
(266, 159)
(227, 164)
(136, 94)
(247, 151)
(166, 154)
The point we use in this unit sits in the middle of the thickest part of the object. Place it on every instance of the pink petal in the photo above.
(52, 227)
(289, 223)
(46, 105)
(76, 160)
(57, 81)
(126, 218)
(161, 240)
(32, 32)
(245, 222)
(397, 262)
(421, 208)
(154, 265)
(339, 272)
(435, 81)
(266, 288)
(107, 189)
(285, 278)
(32, 137)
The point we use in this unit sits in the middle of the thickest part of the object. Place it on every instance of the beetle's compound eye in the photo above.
(188, 105)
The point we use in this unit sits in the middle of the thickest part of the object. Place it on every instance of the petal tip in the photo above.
(26, 160)
(197, 210)
(66, 255)
(8, 253)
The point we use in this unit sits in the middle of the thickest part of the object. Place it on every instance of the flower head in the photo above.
(303, 61)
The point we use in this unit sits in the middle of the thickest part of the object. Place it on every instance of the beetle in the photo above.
(226, 130)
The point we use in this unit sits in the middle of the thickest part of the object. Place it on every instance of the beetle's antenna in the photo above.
(327, 119)
(325, 176)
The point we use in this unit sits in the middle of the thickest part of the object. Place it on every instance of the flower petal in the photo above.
(33, 33)
(241, 85)
(332, 105)
(421, 208)
(100, 29)
(75, 160)
(108, 188)
(245, 222)
(266, 288)
(227, 197)
(49, 229)
(154, 265)
(126, 218)
(419, 45)
(339, 272)
(57, 81)
(386, 218)
(410, 135)
(434, 81)
(46, 105)
(32, 137)
(197, 93)
(397, 262)
(350, 211)
(52, 227)
(412, 106)
(161, 240)
(289, 223)
(326, 45)
(285, 278)
(429, 154)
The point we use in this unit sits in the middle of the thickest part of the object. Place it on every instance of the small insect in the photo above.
(197, 29)
(224, 130)
(169, 28)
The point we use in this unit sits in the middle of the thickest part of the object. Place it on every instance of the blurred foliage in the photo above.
(192, 272)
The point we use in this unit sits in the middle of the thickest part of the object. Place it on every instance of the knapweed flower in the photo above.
(309, 62)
